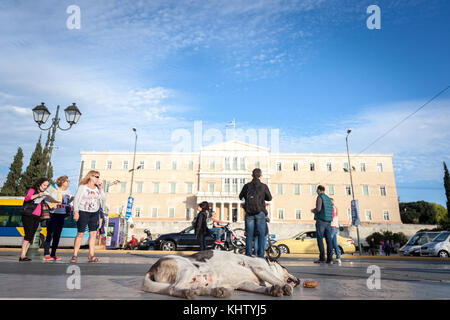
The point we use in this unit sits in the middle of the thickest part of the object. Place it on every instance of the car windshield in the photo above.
(441, 237)
(418, 239)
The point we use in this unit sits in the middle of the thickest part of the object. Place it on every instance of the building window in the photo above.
(345, 166)
(106, 186)
(235, 163)
(154, 212)
(380, 167)
(298, 214)
(123, 187)
(212, 165)
(386, 216)
(108, 165)
(226, 185)
(191, 165)
(139, 187)
(279, 189)
(141, 165)
(313, 189)
(383, 190)
(281, 214)
(365, 190)
(296, 189)
(227, 164)
(348, 190)
(368, 215)
(278, 166)
(155, 187)
(189, 187)
(171, 212)
(312, 166)
(158, 165)
(363, 167)
(137, 212)
(295, 166)
(257, 165)
(242, 163)
(125, 165)
(331, 190)
(174, 165)
(241, 184)
(188, 213)
(92, 164)
(329, 166)
(235, 185)
(173, 187)
(210, 187)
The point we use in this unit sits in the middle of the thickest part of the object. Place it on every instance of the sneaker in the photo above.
(218, 242)
(338, 261)
(56, 258)
(47, 258)
(329, 261)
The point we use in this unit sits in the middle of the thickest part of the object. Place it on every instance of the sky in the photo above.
(310, 69)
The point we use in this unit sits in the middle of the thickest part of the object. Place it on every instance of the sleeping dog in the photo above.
(217, 273)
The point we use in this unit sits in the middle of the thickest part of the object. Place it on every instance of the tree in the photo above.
(447, 188)
(11, 186)
(46, 158)
(34, 171)
(417, 212)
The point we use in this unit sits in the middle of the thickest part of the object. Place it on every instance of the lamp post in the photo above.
(41, 115)
(130, 207)
(351, 183)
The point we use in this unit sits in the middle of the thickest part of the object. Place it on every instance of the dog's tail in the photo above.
(149, 285)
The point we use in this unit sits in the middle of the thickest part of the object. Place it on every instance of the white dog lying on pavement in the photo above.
(217, 273)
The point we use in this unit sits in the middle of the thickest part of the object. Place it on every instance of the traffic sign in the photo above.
(129, 208)
(355, 213)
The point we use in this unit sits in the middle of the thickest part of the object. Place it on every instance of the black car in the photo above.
(183, 240)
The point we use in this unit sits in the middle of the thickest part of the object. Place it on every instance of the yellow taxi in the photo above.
(306, 242)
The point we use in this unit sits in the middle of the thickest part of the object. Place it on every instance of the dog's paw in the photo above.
(288, 290)
(189, 294)
(276, 291)
(221, 292)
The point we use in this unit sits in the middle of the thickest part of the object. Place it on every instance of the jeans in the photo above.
(323, 228)
(256, 244)
(255, 223)
(54, 229)
(334, 233)
(216, 233)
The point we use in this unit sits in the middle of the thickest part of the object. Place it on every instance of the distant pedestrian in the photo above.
(88, 201)
(391, 244)
(59, 213)
(372, 246)
(200, 227)
(380, 248)
(255, 194)
(387, 248)
(31, 212)
(335, 232)
(323, 214)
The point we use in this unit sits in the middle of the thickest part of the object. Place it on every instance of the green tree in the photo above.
(34, 171)
(46, 158)
(417, 212)
(447, 188)
(11, 186)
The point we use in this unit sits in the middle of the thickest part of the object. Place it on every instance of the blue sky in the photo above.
(308, 68)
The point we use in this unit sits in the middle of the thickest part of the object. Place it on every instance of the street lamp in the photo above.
(41, 115)
(130, 199)
(351, 183)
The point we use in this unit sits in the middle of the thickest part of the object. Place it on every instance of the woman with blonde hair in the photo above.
(89, 199)
(334, 233)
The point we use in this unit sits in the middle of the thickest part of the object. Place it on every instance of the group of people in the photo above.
(55, 203)
(388, 247)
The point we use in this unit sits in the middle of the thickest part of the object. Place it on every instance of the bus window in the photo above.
(70, 223)
(110, 231)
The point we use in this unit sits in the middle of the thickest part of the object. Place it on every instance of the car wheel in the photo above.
(218, 247)
(283, 248)
(168, 246)
(443, 254)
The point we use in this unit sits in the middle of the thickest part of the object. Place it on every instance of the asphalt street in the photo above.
(119, 276)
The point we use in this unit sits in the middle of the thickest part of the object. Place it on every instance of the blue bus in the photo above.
(11, 228)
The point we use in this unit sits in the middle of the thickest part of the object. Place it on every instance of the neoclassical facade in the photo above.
(167, 186)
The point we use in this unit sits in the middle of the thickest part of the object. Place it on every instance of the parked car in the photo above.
(439, 247)
(412, 247)
(306, 242)
(183, 240)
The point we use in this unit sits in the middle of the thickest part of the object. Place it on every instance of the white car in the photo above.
(439, 247)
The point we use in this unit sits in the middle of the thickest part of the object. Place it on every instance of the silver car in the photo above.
(412, 247)
(439, 247)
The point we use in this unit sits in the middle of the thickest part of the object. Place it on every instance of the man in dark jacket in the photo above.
(255, 194)
(201, 230)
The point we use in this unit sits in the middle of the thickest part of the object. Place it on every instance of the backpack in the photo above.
(252, 200)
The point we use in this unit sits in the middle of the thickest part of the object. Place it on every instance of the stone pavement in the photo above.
(119, 276)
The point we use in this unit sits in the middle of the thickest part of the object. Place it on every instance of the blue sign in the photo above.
(355, 213)
(129, 207)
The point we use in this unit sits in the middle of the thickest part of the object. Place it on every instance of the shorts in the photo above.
(87, 219)
(30, 225)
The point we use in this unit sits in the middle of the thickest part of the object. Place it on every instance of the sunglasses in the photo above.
(96, 177)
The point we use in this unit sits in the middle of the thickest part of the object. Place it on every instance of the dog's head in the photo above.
(283, 273)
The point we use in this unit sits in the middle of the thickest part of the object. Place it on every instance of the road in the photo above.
(119, 276)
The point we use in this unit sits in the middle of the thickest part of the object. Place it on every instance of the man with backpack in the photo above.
(323, 214)
(255, 194)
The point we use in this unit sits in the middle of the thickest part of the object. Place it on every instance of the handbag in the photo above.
(45, 211)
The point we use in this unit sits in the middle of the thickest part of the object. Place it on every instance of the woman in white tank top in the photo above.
(334, 233)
